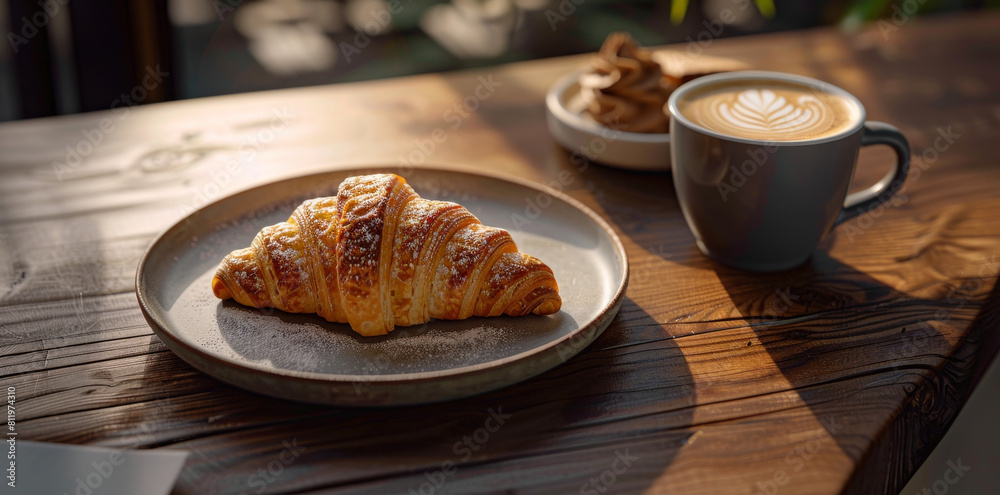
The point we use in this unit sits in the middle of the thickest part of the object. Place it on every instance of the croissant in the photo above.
(378, 255)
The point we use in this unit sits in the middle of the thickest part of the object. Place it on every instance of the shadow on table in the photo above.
(810, 317)
(644, 208)
(627, 396)
(787, 311)
(807, 318)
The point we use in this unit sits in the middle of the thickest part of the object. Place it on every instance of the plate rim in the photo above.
(161, 329)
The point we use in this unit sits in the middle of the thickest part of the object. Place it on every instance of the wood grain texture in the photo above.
(838, 376)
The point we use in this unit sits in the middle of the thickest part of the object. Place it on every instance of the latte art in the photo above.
(763, 110)
(767, 111)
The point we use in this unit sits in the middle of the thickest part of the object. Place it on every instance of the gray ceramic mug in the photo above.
(765, 205)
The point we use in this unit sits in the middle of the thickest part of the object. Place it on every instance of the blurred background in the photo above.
(65, 56)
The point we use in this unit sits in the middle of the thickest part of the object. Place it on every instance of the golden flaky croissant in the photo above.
(378, 255)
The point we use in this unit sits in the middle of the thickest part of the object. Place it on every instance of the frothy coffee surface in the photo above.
(768, 110)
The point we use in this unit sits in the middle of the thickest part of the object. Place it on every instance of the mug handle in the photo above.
(880, 192)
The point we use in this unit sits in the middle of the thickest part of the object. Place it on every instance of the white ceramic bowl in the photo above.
(579, 134)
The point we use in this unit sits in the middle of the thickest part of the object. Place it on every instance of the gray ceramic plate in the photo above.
(305, 358)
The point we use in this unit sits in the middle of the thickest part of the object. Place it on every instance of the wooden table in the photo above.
(839, 376)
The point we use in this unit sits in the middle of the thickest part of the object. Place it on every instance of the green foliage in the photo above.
(678, 9)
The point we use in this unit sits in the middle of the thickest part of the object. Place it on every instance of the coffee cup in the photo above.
(762, 163)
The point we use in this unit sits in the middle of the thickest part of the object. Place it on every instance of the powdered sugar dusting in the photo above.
(274, 339)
